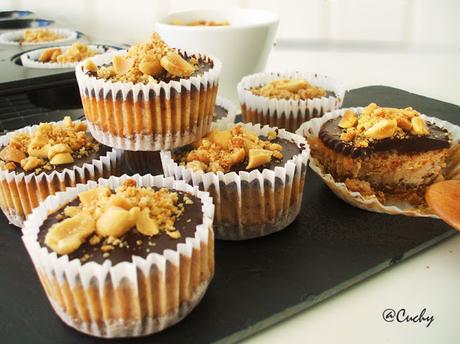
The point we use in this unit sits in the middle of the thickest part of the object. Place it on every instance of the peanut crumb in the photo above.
(296, 89)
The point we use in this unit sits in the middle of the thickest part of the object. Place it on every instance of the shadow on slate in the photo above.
(330, 247)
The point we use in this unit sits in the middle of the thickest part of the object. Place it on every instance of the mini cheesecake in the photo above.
(150, 97)
(38, 161)
(135, 255)
(286, 100)
(255, 176)
(389, 152)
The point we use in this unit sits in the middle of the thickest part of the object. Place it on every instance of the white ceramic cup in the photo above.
(243, 46)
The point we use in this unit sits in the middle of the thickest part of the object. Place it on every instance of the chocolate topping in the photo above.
(137, 243)
(330, 133)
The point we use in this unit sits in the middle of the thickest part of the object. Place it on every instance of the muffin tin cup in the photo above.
(229, 107)
(30, 59)
(283, 113)
(132, 298)
(151, 117)
(250, 204)
(371, 203)
(11, 37)
(20, 192)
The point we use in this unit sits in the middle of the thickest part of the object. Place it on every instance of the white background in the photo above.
(412, 44)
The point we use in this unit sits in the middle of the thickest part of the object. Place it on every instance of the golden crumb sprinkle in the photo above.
(296, 89)
(378, 123)
(145, 62)
(105, 216)
(49, 146)
(75, 53)
(39, 35)
(221, 150)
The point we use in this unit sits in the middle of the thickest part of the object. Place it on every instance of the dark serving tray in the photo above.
(259, 282)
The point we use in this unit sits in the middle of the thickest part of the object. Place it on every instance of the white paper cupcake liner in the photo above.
(250, 204)
(20, 192)
(282, 113)
(12, 37)
(229, 107)
(371, 203)
(148, 117)
(30, 59)
(131, 298)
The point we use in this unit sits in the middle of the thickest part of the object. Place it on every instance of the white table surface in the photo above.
(429, 280)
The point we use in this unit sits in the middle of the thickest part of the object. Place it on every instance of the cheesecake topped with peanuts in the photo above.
(149, 62)
(51, 147)
(295, 89)
(383, 151)
(236, 149)
(117, 224)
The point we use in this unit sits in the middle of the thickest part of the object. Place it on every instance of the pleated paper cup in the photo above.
(21, 192)
(311, 129)
(139, 117)
(131, 298)
(250, 204)
(12, 37)
(287, 113)
(30, 59)
(229, 107)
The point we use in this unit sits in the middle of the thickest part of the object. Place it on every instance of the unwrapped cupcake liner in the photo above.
(283, 113)
(229, 107)
(371, 203)
(250, 204)
(30, 59)
(150, 117)
(131, 298)
(21, 192)
(12, 37)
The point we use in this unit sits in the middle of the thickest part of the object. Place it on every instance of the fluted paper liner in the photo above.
(148, 117)
(11, 37)
(20, 192)
(132, 298)
(286, 113)
(229, 107)
(30, 58)
(250, 204)
(371, 203)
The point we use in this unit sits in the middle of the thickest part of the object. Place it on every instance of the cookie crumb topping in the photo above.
(39, 35)
(146, 62)
(76, 52)
(297, 89)
(378, 123)
(49, 146)
(105, 217)
(220, 150)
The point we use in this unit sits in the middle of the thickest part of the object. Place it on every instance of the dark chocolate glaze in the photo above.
(330, 133)
(290, 149)
(78, 162)
(185, 224)
(219, 112)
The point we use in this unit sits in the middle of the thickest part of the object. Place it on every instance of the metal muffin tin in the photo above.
(30, 95)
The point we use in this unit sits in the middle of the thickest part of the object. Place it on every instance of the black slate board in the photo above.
(330, 247)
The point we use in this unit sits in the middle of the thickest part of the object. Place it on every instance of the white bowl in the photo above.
(243, 46)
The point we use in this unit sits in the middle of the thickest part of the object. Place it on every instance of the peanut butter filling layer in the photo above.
(52, 147)
(103, 224)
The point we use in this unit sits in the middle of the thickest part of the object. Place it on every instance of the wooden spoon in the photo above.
(444, 199)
